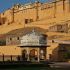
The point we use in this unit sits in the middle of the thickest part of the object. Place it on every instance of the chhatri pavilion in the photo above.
(34, 46)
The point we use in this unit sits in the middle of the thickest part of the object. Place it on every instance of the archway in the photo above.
(24, 55)
(33, 55)
(42, 53)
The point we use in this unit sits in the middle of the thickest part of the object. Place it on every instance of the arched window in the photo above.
(33, 54)
(42, 53)
(24, 55)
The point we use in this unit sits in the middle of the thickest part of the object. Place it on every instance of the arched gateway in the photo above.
(34, 46)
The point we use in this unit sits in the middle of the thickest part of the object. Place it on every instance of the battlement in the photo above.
(37, 13)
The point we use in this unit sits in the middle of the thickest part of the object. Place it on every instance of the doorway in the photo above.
(24, 55)
(42, 54)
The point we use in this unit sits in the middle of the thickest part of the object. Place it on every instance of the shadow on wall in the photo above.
(54, 56)
(61, 53)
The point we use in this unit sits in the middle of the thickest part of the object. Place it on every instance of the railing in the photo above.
(10, 58)
(61, 41)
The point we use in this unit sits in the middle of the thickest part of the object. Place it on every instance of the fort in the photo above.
(51, 19)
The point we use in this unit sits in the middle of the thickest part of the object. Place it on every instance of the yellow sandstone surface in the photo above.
(46, 19)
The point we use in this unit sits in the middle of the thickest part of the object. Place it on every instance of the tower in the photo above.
(63, 5)
(0, 19)
(13, 15)
(55, 8)
(37, 13)
(69, 5)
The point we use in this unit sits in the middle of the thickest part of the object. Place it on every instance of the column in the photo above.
(63, 5)
(69, 5)
(3, 57)
(55, 8)
(37, 13)
(46, 53)
(12, 14)
(11, 57)
(28, 54)
(38, 55)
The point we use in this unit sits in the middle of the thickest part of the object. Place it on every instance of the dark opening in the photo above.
(43, 39)
(10, 38)
(26, 21)
(17, 38)
(0, 23)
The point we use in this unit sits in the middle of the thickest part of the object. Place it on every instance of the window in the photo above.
(59, 27)
(10, 38)
(17, 38)
(3, 20)
(0, 23)
(31, 20)
(26, 21)
(62, 47)
(43, 39)
(3, 13)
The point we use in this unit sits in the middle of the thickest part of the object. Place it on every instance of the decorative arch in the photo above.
(24, 55)
(33, 54)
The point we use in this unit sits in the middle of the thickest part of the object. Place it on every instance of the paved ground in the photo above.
(60, 65)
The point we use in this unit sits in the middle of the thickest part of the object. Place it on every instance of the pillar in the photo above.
(12, 14)
(63, 5)
(69, 5)
(0, 20)
(38, 54)
(37, 13)
(28, 54)
(11, 57)
(3, 57)
(55, 8)
(46, 53)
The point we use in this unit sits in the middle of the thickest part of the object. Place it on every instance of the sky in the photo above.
(6, 4)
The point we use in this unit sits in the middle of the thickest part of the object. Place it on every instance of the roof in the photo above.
(2, 36)
(62, 41)
(24, 31)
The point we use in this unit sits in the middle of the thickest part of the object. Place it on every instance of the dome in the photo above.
(33, 39)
